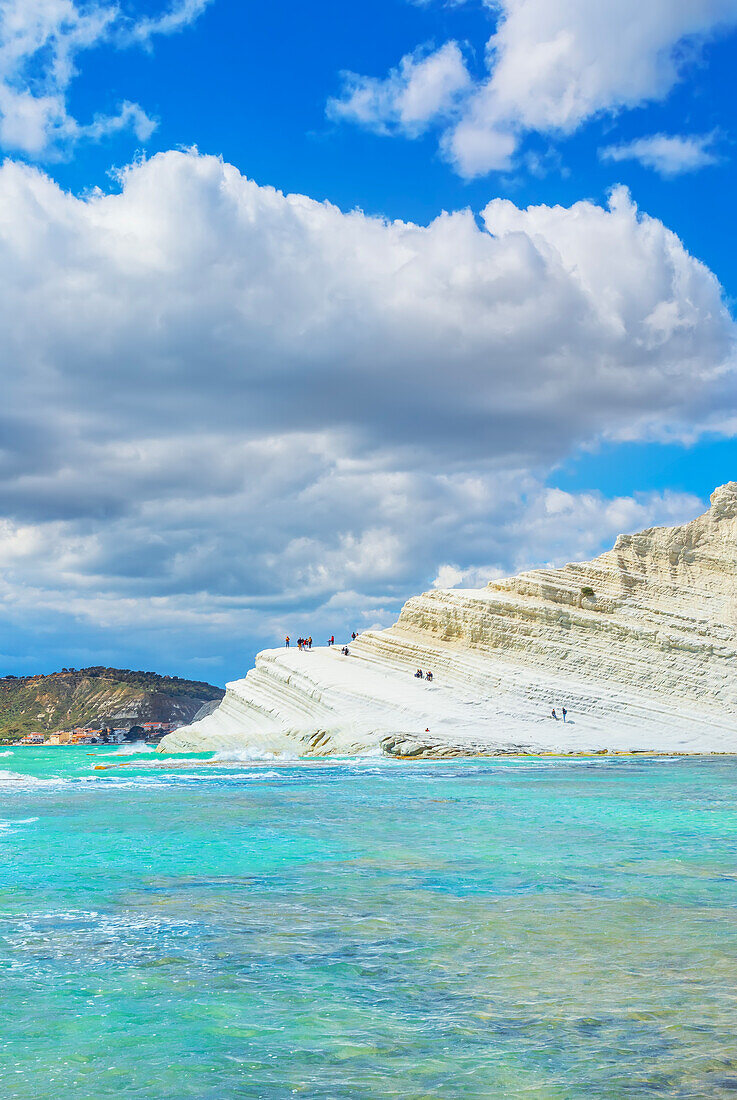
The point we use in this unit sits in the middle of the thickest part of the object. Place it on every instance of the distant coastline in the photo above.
(98, 705)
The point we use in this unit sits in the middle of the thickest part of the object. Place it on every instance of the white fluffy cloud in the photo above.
(668, 154)
(40, 41)
(225, 405)
(552, 527)
(198, 580)
(423, 88)
(551, 65)
(175, 18)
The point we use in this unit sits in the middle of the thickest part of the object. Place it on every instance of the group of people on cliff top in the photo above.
(420, 675)
(306, 643)
(564, 712)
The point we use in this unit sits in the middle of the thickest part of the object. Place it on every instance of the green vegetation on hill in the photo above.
(96, 696)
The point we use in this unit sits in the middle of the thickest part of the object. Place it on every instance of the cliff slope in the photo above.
(44, 704)
(640, 645)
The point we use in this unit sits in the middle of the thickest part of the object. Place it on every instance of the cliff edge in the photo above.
(639, 644)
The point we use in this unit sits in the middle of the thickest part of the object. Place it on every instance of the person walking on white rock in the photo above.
(554, 715)
(286, 641)
(565, 712)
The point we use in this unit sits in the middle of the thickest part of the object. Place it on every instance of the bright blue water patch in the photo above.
(532, 928)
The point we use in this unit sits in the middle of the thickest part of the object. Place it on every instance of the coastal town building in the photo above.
(100, 735)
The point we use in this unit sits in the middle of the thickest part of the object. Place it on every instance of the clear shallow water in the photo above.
(538, 929)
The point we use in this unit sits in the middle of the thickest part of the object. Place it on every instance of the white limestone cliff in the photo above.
(640, 645)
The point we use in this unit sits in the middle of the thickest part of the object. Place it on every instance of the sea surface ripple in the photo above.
(332, 930)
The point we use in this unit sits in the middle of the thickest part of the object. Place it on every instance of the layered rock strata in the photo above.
(640, 646)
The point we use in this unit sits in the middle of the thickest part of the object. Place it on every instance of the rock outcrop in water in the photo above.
(640, 646)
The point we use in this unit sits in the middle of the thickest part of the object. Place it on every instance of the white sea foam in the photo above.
(19, 779)
(238, 776)
(8, 752)
(253, 756)
(131, 748)
(12, 823)
(118, 783)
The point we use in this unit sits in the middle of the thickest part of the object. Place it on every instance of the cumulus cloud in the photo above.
(551, 527)
(423, 88)
(204, 582)
(667, 154)
(40, 41)
(553, 65)
(226, 407)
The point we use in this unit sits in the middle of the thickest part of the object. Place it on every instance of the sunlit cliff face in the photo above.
(639, 645)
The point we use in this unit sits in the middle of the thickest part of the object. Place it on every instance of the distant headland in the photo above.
(98, 704)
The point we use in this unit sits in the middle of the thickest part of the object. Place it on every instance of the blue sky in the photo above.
(249, 82)
(230, 416)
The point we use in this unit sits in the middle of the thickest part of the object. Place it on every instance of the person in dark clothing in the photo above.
(565, 712)
(353, 636)
(554, 715)
(429, 676)
(418, 674)
(309, 642)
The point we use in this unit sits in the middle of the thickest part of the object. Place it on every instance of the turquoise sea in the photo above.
(520, 928)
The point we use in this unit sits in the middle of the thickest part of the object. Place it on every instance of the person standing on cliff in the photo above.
(565, 712)
(286, 641)
(309, 642)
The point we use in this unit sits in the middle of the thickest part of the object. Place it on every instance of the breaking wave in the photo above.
(27, 780)
(12, 823)
(253, 756)
(132, 748)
